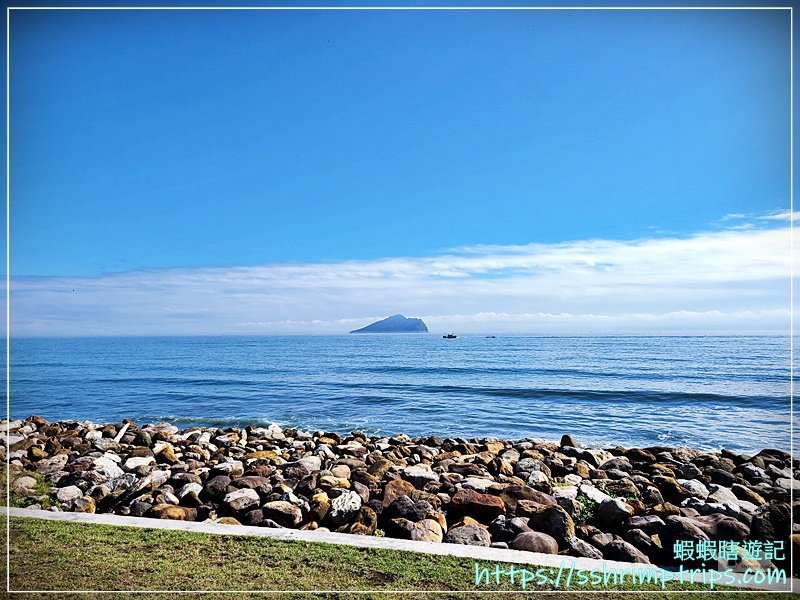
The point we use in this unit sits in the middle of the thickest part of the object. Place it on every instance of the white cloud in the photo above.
(781, 216)
(732, 280)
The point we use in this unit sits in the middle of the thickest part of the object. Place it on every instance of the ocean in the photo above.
(703, 392)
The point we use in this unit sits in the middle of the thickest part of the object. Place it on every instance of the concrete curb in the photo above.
(554, 563)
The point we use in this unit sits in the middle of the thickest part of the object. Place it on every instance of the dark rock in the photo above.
(721, 527)
(650, 524)
(613, 511)
(254, 517)
(601, 540)
(503, 529)
(217, 487)
(481, 507)
(641, 541)
(772, 522)
(138, 509)
(720, 477)
(636, 455)
(555, 522)
(405, 508)
(625, 552)
(679, 529)
(671, 490)
(398, 529)
(365, 522)
(620, 463)
(249, 481)
(568, 440)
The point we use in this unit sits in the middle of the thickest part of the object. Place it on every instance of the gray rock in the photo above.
(241, 500)
(577, 547)
(613, 511)
(788, 484)
(593, 493)
(720, 494)
(68, 495)
(776, 473)
(697, 489)
(469, 535)
(419, 475)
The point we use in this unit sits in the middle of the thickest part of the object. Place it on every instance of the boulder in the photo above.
(427, 530)
(535, 541)
(481, 507)
(405, 508)
(241, 500)
(613, 511)
(650, 524)
(344, 507)
(394, 489)
(172, 512)
(554, 521)
(419, 475)
(623, 551)
(283, 513)
(470, 535)
(503, 529)
(577, 547)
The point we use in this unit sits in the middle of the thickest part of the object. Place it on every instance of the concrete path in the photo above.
(557, 566)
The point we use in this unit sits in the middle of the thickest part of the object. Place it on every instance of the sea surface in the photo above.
(703, 392)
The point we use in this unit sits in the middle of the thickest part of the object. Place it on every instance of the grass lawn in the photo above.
(61, 556)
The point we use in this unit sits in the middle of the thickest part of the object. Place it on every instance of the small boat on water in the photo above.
(450, 336)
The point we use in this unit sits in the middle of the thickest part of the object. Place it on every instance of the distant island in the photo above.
(394, 324)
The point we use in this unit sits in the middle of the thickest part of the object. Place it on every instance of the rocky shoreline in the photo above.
(626, 504)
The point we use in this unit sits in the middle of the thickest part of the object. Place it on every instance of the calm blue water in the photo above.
(705, 392)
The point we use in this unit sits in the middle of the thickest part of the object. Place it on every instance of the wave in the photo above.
(623, 396)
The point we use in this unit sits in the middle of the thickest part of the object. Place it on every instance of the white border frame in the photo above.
(393, 8)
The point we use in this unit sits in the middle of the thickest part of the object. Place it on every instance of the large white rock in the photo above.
(189, 488)
(695, 487)
(67, 495)
(565, 491)
(345, 507)
(242, 499)
(138, 461)
(311, 462)
(419, 475)
(721, 494)
(479, 484)
(593, 493)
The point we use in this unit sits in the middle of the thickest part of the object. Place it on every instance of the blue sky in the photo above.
(302, 171)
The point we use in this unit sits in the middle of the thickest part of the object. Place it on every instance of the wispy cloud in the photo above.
(732, 280)
(781, 216)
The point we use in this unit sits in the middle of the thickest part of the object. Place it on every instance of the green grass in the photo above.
(63, 556)
(43, 492)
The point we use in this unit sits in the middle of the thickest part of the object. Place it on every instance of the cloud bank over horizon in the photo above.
(734, 280)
